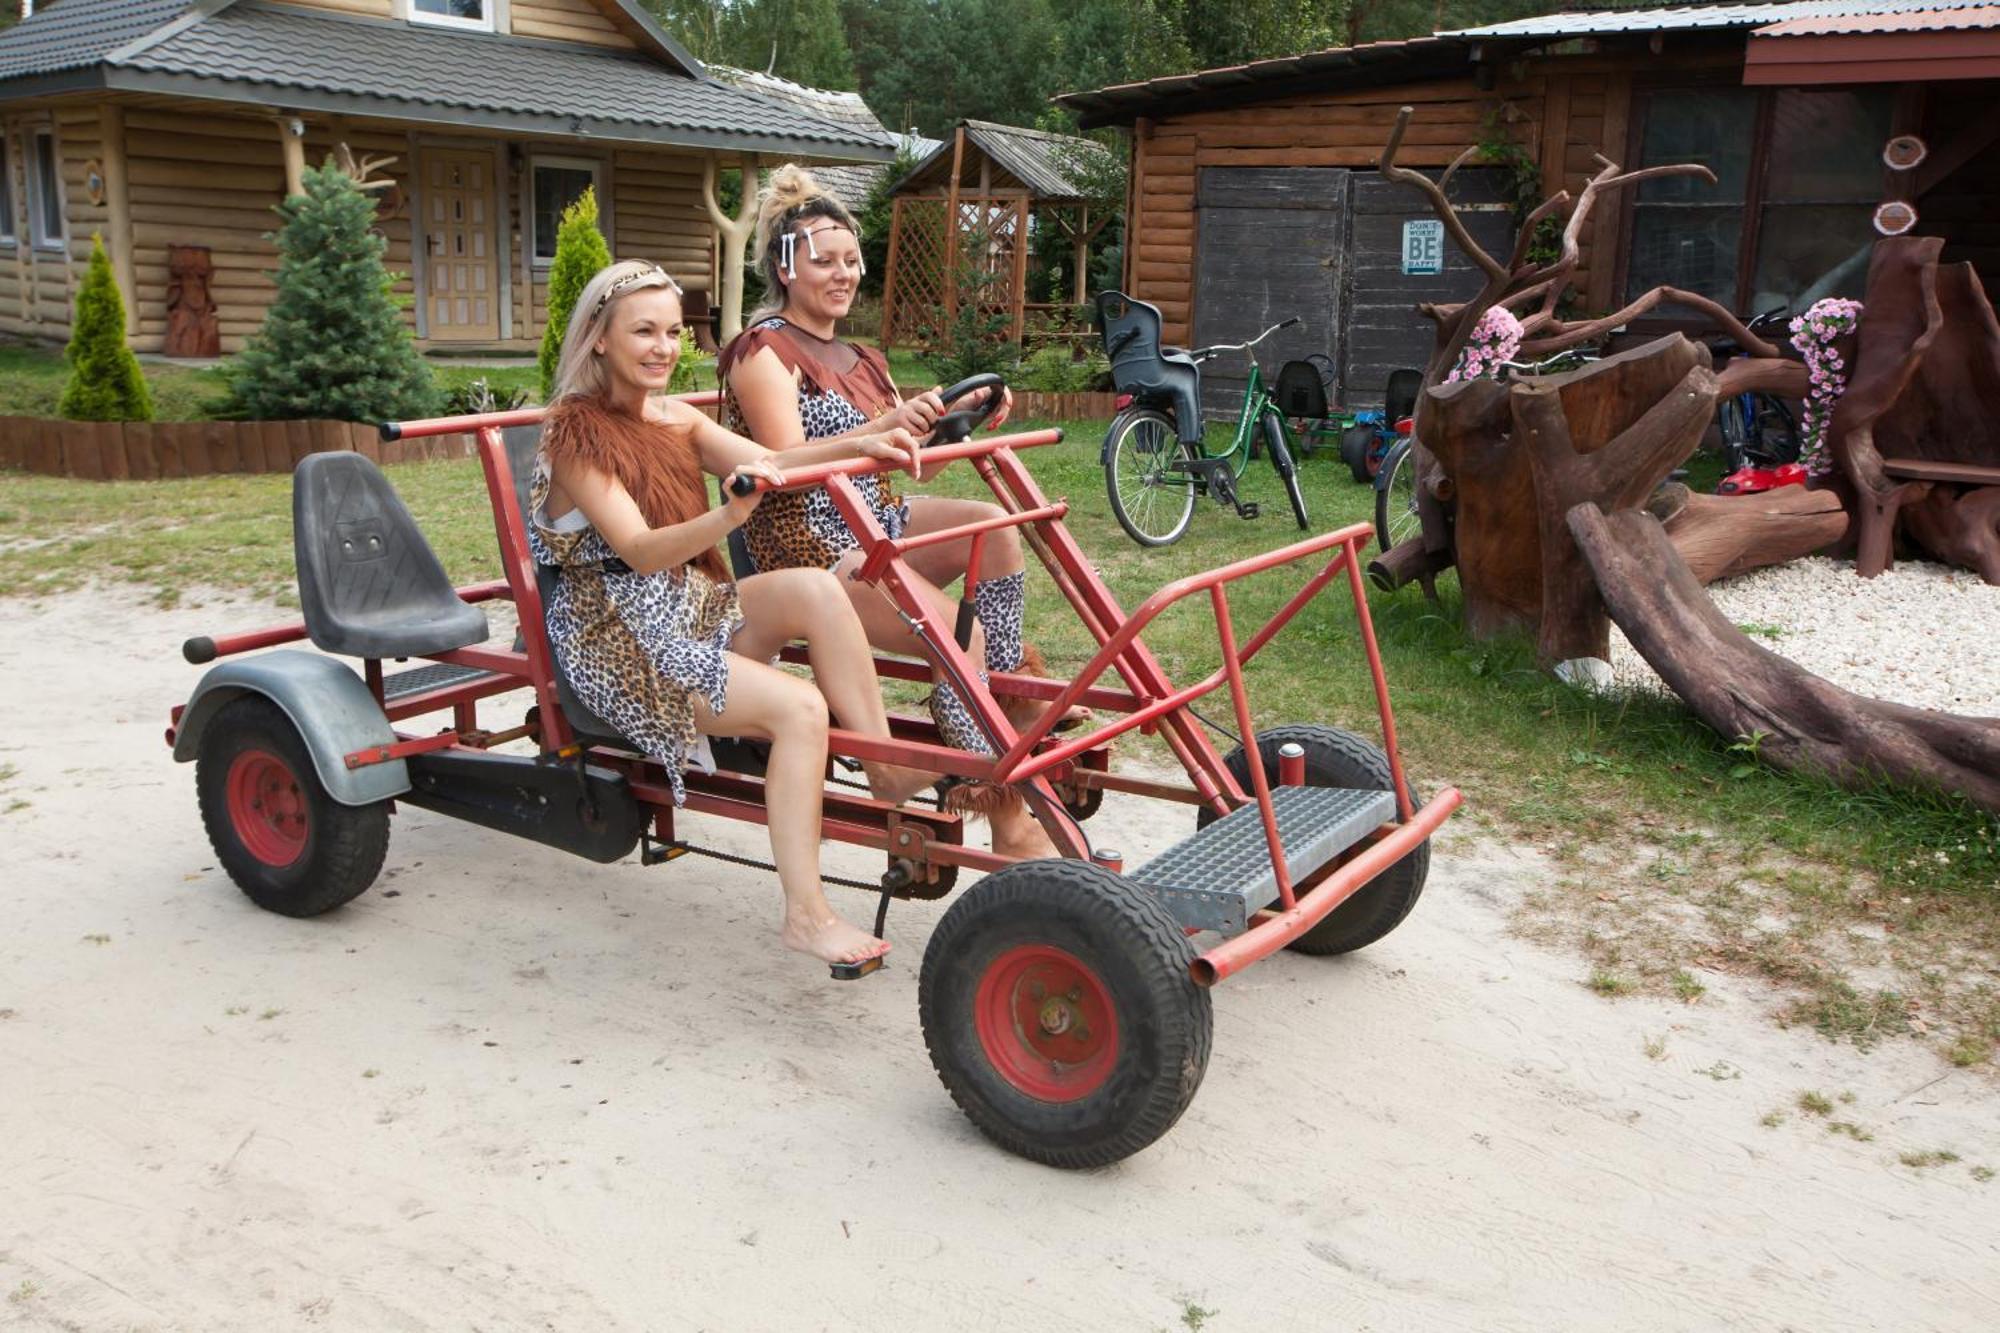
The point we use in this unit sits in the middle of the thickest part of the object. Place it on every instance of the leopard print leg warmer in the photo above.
(1001, 605)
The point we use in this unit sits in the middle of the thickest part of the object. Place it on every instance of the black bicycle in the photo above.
(1758, 429)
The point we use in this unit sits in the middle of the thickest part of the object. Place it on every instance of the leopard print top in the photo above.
(638, 649)
(789, 529)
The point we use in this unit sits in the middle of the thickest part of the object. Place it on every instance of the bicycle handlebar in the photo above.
(1204, 352)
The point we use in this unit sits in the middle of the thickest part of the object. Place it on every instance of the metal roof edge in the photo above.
(291, 98)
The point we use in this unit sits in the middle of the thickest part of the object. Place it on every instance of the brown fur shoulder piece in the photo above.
(654, 461)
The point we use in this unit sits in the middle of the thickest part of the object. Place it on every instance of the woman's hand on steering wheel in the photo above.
(740, 507)
(915, 414)
(895, 445)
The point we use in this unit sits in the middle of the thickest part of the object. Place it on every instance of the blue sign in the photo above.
(1423, 247)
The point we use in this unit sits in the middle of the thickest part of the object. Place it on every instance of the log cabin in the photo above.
(165, 124)
(1253, 193)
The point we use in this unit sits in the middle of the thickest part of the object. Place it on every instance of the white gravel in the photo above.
(1921, 634)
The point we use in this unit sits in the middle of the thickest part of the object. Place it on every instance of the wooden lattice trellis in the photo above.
(927, 265)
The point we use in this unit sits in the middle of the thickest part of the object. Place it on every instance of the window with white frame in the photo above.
(555, 184)
(474, 14)
(7, 232)
(45, 204)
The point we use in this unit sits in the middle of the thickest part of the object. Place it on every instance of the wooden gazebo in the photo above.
(1000, 183)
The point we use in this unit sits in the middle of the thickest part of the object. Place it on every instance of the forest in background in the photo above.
(927, 64)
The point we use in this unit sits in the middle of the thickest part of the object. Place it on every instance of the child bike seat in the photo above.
(1153, 375)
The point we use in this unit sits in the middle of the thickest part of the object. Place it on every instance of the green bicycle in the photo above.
(1155, 460)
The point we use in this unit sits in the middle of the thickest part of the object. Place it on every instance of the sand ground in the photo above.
(507, 1089)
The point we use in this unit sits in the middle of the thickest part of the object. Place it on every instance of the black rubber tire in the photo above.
(1288, 470)
(1395, 493)
(1355, 442)
(1137, 950)
(1116, 440)
(344, 844)
(1735, 442)
(1336, 758)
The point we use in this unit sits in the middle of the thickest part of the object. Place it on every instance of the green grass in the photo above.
(1635, 789)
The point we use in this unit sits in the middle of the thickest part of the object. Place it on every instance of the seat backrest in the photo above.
(522, 443)
(1131, 330)
(1399, 399)
(369, 584)
(1300, 391)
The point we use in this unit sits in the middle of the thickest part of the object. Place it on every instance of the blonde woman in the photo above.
(793, 386)
(647, 625)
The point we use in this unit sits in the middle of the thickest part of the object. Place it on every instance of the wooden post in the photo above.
(733, 233)
(1020, 266)
(1079, 286)
(951, 227)
(294, 147)
(1142, 130)
(118, 205)
(889, 278)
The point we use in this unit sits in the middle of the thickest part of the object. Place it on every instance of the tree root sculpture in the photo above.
(1799, 721)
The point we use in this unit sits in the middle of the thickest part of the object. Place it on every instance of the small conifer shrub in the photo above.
(580, 252)
(105, 382)
(333, 344)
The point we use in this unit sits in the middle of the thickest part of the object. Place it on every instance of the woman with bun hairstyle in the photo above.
(647, 626)
(791, 384)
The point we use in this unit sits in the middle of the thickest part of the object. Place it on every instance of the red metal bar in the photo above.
(228, 645)
(451, 696)
(504, 661)
(1261, 941)
(891, 548)
(485, 421)
(1004, 684)
(517, 562)
(818, 474)
(1389, 746)
(402, 749)
(1260, 781)
(1292, 766)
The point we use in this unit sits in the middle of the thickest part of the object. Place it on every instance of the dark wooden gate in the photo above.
(1273, 244)
(1384, 332)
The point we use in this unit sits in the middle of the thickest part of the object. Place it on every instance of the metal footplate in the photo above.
(418, 680)
(1216, 879)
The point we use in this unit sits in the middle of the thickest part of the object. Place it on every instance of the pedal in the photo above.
(1248, 510)
(856, 971)
(653, 853)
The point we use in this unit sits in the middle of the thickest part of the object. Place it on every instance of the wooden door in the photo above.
(461, 254)
(1273, 244)
(1384, 332)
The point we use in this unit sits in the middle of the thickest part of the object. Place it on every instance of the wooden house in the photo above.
(1254, 194)
(166, 125)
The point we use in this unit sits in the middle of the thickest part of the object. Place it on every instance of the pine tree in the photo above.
(580, 252)
(105, 383)
(334, 343)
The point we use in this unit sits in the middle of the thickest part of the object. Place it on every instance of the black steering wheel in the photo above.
(955, 427)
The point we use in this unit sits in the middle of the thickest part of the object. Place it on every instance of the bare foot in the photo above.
(1024, 713)
(1019, 835)
(895, 784)
(830, 939)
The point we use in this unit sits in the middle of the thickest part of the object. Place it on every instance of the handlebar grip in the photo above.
(390, 430)
(742, 485)
(199, 650)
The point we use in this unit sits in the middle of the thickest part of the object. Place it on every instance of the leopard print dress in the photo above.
(638, 649)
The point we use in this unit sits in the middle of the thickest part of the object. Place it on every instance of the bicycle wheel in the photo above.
(1152, 497)
(1281, 459)
(1735, 434)
(1396, 498)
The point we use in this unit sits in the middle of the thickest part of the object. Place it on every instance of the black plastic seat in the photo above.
(1399, 399)
(1300, 391)
(369, 584)
(1140, 366)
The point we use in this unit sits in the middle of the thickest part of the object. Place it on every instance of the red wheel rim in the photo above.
(1047, 1023)
(266, 807)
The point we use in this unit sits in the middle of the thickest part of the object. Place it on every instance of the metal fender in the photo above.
(326, 701)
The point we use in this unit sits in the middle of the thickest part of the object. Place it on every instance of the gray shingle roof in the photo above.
(1699, 17)
(316, 60)
(77, 33)
(1041, 161)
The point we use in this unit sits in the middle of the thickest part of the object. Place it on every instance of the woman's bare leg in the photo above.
(767, 704)
(1015, 831)
(809, 604)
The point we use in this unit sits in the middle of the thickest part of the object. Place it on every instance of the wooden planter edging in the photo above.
(148, 450)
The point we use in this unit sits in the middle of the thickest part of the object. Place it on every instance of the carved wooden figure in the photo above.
(192, 329)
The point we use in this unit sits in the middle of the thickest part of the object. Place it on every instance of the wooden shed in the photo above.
(1224, 162)
(173, 127)
(1000, 183)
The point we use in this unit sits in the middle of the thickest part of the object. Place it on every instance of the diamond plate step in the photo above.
(435, 677)
(1216, 879)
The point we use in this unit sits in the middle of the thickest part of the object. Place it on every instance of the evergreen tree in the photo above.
(580, 252)
(334, 343)
(105, 383)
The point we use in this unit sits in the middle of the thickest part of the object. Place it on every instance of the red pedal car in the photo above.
(1065, 1002)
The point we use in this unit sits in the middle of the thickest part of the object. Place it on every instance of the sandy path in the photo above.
(601, 1099)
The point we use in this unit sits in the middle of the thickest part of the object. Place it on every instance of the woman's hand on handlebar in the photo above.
(895, 445)
(740, 507)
